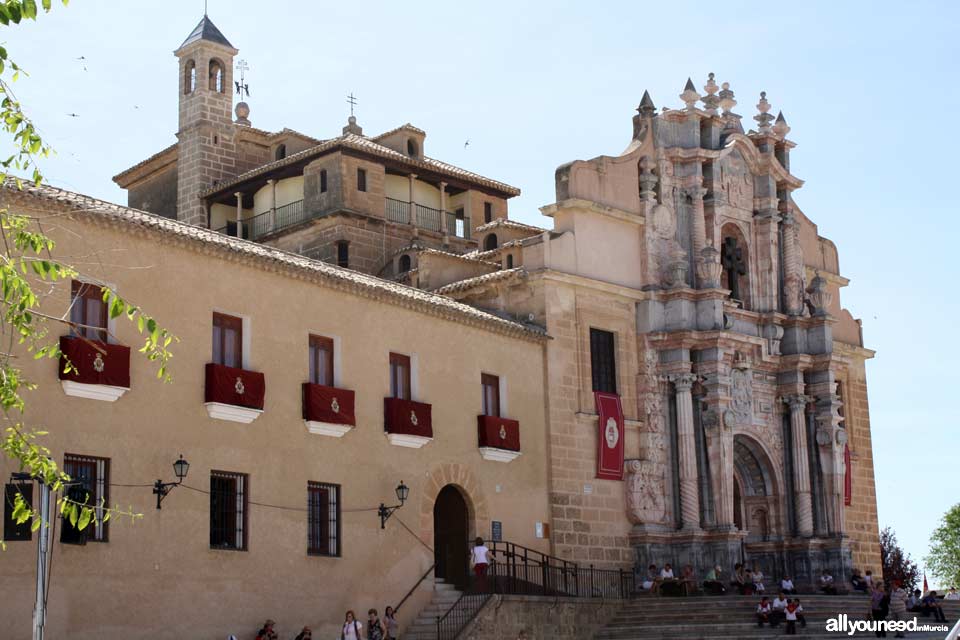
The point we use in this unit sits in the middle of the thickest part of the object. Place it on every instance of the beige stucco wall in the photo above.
(157, 577)
(288, 190)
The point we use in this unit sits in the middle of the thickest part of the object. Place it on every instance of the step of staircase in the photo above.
(424, 626)
(732, 617)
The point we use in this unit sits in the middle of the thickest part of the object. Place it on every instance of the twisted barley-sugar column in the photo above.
(801, 464)
(686, 445)
(698, 228)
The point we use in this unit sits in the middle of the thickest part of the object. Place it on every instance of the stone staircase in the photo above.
(732, 618)
(424, 627)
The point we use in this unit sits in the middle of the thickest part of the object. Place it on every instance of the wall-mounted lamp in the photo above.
(161, 489)
(385, 512)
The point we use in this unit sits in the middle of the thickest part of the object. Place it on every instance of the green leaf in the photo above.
(30, 9)
(84, 519)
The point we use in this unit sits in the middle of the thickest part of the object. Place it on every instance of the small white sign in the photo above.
(587, 489)
(539, 529)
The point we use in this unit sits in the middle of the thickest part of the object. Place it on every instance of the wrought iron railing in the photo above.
(457, 225)
(518, 570)
(429, 218)
(414, 587)
(268, 222)
(398, 211)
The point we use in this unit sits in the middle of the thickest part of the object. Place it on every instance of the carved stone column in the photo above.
(801, 463)
(273, 203)
(239, 197)
(831, 438)
(698, 230)
(686, 445)
(413, 207)
(767, 252)
(792, 266)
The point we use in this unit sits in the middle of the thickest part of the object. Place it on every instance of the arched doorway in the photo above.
(450, 531)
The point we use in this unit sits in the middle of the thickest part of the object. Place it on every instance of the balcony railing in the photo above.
(262, 224)
(428, 218)
(398, 211)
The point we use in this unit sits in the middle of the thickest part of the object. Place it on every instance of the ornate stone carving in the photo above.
(763, 118)
(647, 179)
(819, 296)
(709, 268)
(683, 381)
(742, 395)
(645, 493)
(663, 221)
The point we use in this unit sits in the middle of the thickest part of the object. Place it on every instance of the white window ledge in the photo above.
(327, 428)
(404, 440)
(232, 412)
(498, 455)
(103, 392)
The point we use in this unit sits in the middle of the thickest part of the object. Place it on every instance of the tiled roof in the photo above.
(476, 254)
(268, 257)
(206, 30)
(510, 224)
(458, 256)
(147, 161)
(401, 127)
(517, 273)
(361, 143)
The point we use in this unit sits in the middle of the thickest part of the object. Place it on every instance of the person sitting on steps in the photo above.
(800, 618)
(777, 608)
(764, 613)
(712, 583)
(668, 582)
(786, 586)
(688, 580)
(652, 582)
(758, 581)
(859, 584)
(826, 584)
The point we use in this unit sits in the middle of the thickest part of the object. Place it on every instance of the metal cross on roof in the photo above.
(352, 101)
(242, 86)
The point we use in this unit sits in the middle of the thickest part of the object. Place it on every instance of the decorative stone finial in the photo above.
(648, 180)
(763, 118)
(242, 110)
(353, 127)
(646, 108)
(727, 103)
(780, 127)
(819, 296)
(710, 100)
(690, 95)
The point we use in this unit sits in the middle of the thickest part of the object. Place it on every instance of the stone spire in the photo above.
(763, 118)
(731, 120)
(690, 95)
(780, 127)
(711, 101)
(646, 108)
(352, 127)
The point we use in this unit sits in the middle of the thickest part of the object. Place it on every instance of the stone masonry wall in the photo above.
(504, 617)
(589, 519)
(861, 515)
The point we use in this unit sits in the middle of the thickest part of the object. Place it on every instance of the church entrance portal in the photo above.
(450, 516)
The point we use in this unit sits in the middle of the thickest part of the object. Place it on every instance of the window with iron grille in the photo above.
(323, 519)
(228, 510)
(603, 362)
(399, 376)
(321, 360)
(13, 532)
(227, 340)
(90, 478)
(88, 311)
(490, 386)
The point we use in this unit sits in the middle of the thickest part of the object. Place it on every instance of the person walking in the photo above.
(898, 605)
(376, 630)
(390, 620)
(351, 627)
(878, 606)
(480, 560)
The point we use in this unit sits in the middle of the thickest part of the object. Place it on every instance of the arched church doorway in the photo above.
(754, 490)
(450, 531)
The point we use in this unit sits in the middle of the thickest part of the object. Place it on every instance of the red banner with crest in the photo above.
(610, 436)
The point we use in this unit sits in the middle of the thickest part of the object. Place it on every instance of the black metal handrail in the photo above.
(267, 222)
(397, 211)
(414, 587)
(463, 611)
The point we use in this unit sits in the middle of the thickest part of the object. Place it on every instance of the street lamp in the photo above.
(161, 489)
(385, 512)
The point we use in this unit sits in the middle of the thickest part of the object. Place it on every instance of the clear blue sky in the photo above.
(868, 87)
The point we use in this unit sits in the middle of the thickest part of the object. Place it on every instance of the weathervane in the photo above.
(352, 101)
(242, 86)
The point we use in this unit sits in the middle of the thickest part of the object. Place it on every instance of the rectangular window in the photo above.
(227, 340)
(461, 223)
(343, 254)
(487, 212)
(91, 476)
(88, 311)
(361, 179)
(491, 394)
(13, 532)
(323, 519)
(603, 361)
(399, 376)
(323, 181)
(228, 510)
(321, 360)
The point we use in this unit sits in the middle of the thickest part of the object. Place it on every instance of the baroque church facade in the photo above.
(679, 277)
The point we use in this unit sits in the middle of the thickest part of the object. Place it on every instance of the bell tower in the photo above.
(206, 149)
